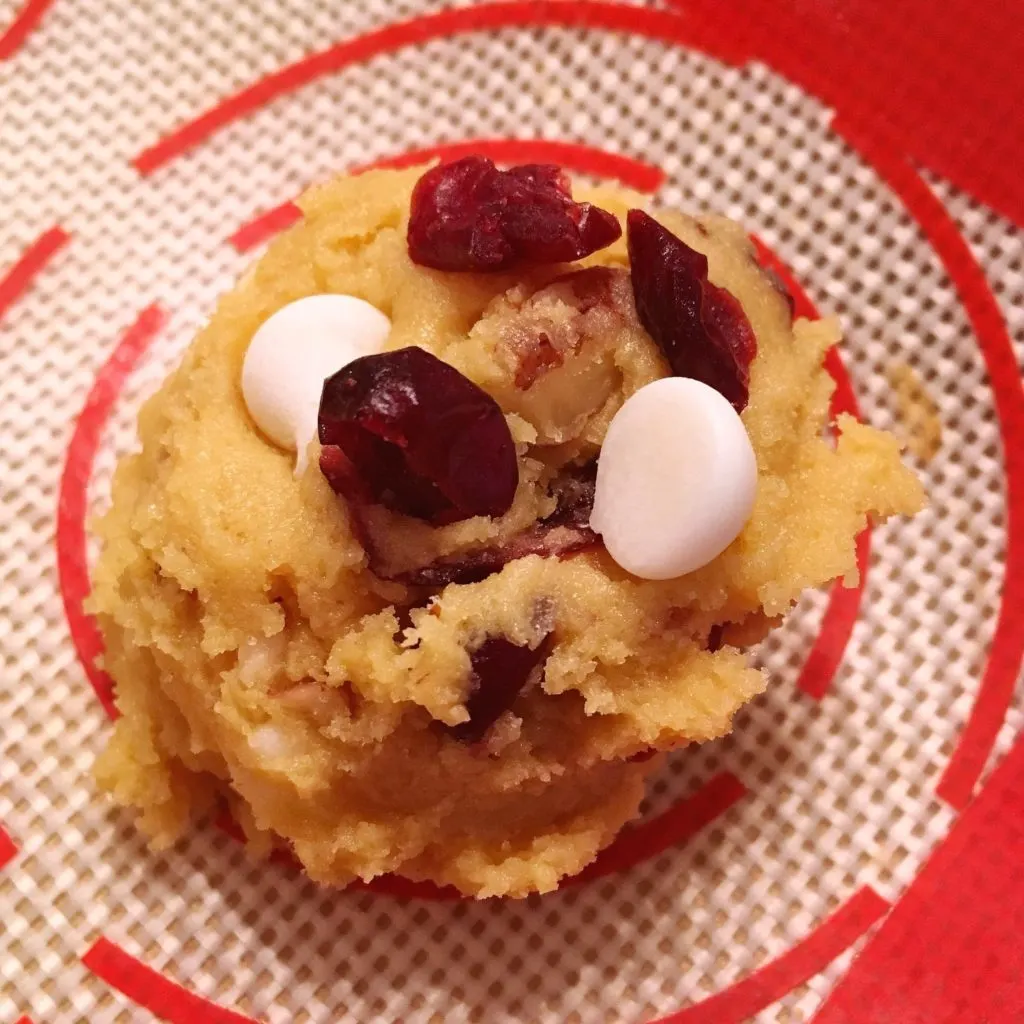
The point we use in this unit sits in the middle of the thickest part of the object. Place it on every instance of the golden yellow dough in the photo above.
(258, 659)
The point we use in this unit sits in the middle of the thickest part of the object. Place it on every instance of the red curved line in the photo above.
(843, 399)
(25, 21)
(681, 822)
(576, 156)
(1006, 654)
(803, 305)
(837, 624)
(151, 990)
(844, 603)
(803, 961)
(573, 155)
(983, 311)
(950, 950)
(18, 279)
(613, 17)
(265, 226)
(72, 566)
(8, 848)
(23, 1020)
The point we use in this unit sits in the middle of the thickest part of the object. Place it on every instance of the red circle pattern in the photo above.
(869, 138)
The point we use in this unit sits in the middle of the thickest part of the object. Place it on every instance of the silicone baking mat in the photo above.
(854, 851)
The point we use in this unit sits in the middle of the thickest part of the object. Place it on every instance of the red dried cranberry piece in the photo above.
(500, 671)
(701, 328)
(410, 432)
(468, 215)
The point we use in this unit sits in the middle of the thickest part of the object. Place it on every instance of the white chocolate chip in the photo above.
(676, 479)
(272, 743)
(261, 658)
(293, 352)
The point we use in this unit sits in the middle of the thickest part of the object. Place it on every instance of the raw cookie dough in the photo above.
(259, 660)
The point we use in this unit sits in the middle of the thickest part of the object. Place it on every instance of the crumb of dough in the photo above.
(258, 660)
(918, 418)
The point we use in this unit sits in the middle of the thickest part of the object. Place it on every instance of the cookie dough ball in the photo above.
(328, 666)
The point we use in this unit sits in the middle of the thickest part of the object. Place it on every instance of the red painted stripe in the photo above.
(8, 848)
(72, 567)
(263, 227)
(25, 21)
(770, 983)
(803, 305)
(951, 950)
(837, 624)
(856, 56)
(1006, 654)
(19, 278)
(844, 399)
(676, 826)
(598, 14)
(575, 156)
(844, 603)
(572, 155)
(151, 990)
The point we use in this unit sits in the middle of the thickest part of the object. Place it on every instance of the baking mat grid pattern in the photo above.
(838, 795)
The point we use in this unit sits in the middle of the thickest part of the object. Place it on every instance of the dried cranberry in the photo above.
(408, 431)
(701, 328)
(564, 532)
(468, 215)
(500, 671)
